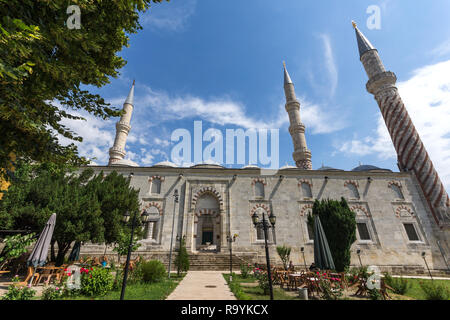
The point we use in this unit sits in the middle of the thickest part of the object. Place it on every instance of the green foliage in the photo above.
(96, 282)
(52, 293)
(284, 252)
(375, 294)
(434, 291)
(182, 258)
(399, 285)
(123, 243)
(18, 292)
(329, 292)
(15, 246)
(339, 225)
(43, 65)
(263, 282)
(153, 271)
(83, 210)
(246, 268)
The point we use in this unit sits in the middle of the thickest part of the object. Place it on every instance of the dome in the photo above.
(367, 167)
(250, 166)
(165, 164)
(125, 163)
(288, 167)
(325, 168)
(206, 165)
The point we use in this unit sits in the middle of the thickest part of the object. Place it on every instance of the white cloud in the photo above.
(442, 50)
(427, 98)
(172, 16)
(330, 63)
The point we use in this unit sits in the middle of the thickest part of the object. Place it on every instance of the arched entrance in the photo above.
(207, 223)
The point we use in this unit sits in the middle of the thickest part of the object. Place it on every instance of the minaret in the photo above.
(117, 152)
(301, 155)
(411, 152)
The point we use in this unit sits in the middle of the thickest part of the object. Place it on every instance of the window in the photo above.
(259, 189)
(411, 232)
(310, 231)
(363, 231)
(352, 191)
(306, 190)
(151, 230)
(259, 233)
(156, 186)
(397, 192)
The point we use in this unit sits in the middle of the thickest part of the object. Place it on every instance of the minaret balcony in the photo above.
(116, 152)
(381, 81)
(294, 128)
(123, 126)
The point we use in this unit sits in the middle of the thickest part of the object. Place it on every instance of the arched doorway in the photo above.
(207, 223)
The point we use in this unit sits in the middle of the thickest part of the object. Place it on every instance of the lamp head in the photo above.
(302, 249)
(126, 217)
(272, 219)
(358, 251)
(423, 254)
(255, 218)
(145, 216)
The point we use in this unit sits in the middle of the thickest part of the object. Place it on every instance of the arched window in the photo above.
(352, 191)
(397, 192)
(259, 189)
(151, 228)
(156, 186)
(306, 190)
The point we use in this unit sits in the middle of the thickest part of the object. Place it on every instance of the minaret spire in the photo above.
(117, 152)
(301, 155)
(411, 152)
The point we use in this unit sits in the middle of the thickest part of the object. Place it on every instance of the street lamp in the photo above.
(126, 218)
(230, 240)
(175, 201)
(423, 256)
(265, 225)
(358, 252)
(304, 260)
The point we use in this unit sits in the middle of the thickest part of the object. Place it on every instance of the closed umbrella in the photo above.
(75, 253)
(38, 256)
(322, 254)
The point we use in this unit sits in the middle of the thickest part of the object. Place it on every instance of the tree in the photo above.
(15, 246)
(339, 225)
(284, 252)
(75, 197)
(44, 63)
(123, 243)
(182, 258)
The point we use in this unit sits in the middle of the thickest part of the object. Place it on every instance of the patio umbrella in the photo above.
(38, 256)
(322, 254)
(75, 253)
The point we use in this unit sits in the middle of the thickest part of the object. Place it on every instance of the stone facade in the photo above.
(216, 201)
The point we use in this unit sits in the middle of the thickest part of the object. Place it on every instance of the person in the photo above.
(104, 261)
(291, 266)
(313, 267)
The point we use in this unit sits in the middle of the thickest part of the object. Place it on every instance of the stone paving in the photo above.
(202, 285)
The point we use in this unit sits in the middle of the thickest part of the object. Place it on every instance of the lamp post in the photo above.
(230, 240)
(358, 252)
(126, 218)
(429, 272)
(265, 225)
(175, 201)
(304, 260)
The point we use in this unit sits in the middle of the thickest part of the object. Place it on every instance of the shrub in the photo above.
(18, 293)
(96, 281)
(246, 268)
(399, 285)
(52, 293)
(434, 291)
(153, 271)
(375, 294)
(263, 282)
(330, 292)
(182, 259)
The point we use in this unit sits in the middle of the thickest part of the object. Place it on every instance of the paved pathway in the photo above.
(202, 285)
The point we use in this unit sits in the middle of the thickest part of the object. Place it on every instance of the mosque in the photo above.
(402, 217)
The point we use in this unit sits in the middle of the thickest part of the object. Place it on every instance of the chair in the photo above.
(383, 290)
(31, 272)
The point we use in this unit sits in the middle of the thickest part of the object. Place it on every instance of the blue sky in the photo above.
(221, 62)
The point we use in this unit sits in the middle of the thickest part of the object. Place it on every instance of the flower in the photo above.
(29, 285)
(56, 288)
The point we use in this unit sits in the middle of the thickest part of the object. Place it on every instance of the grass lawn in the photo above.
(416, 292)
(243, 292)
(140, 291)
